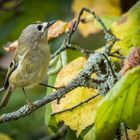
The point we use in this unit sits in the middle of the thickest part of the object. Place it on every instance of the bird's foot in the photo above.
(31, 105)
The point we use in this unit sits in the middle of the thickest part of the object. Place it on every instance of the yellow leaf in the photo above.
(127, 30)
(58, 28)
(101, 8)
(133, 134)
(82, 116)
(4, 137)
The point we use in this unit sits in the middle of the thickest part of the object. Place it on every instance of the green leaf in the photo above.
(71, 135)
(126, 30)
(49, 120)
(121, 104)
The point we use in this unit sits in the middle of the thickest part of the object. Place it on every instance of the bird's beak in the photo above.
(51, 23)
(48, 24)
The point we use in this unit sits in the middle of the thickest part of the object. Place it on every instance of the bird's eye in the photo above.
(39, 27)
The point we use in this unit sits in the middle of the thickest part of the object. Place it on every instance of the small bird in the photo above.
(31, 60)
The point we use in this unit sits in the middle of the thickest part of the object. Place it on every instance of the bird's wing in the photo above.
(19, 54)
(6, 87)
(5, 97)
(11, 68)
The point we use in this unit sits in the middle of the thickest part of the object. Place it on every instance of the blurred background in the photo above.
(16, 15)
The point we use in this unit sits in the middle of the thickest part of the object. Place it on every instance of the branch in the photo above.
(95, 64)
(67, 42)
(59, 134)
(71, 47)
(80, 80)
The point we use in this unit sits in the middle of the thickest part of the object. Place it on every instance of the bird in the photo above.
(30, 62)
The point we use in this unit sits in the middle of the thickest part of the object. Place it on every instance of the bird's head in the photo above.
(35, 32)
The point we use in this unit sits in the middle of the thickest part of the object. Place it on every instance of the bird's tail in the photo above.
(5, 97)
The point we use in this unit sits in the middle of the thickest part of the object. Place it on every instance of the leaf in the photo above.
(103, 8)
(50, 121)
(133, 60)
(133, 134)
(127, 30)
(58, 28)
(82, 116)
(70, 135)
(11, 47)
(121, 104)
(4, 137)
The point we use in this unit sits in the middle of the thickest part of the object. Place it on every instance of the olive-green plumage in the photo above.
(31, 60)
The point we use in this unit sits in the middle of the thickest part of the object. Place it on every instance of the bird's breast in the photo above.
(32, 69)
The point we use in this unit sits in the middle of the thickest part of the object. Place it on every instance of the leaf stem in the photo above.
(81, 103)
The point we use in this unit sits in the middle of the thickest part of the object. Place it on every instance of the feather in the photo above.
(5, 97)
(12, 67)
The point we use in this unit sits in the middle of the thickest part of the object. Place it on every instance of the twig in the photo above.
(81, 103)
(66, 43)
(59, 134)
(80, 80)
(61, 49)
(111, 68)
(82, 50)
(117, 56)
(46, 85)
(126, 133)
(96, 17)
(94, 63)
(70, 47)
